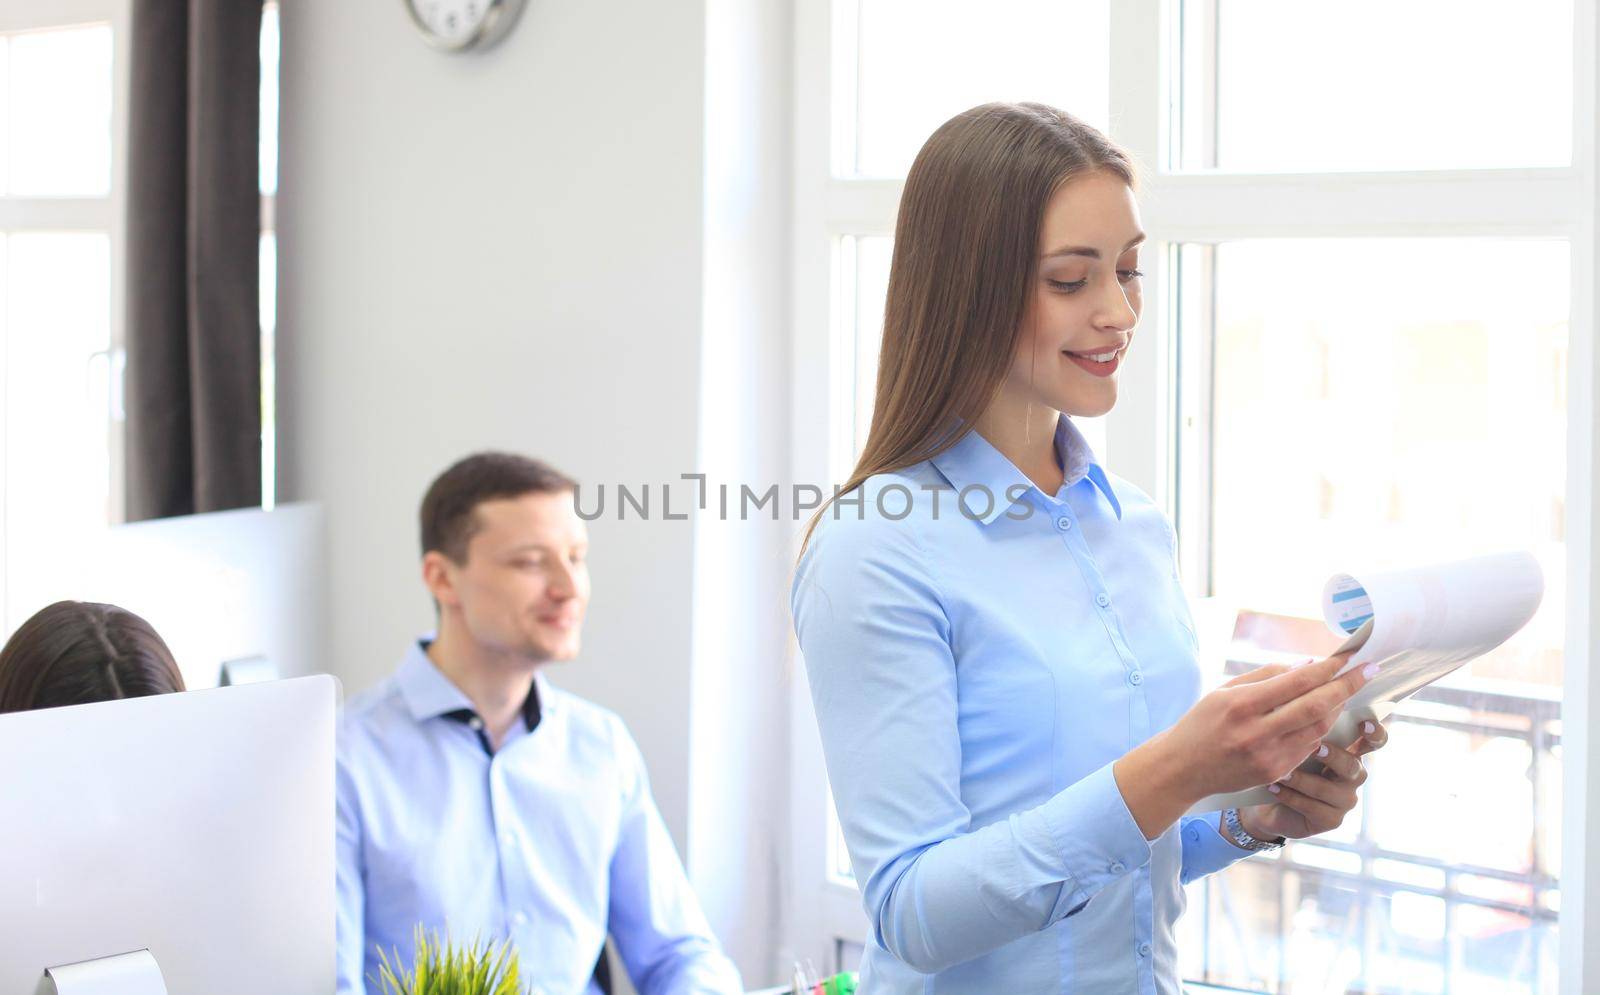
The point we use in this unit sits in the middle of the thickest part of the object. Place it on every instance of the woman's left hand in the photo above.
(1309, 803)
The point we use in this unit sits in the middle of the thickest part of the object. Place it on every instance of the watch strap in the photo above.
(1242, 839)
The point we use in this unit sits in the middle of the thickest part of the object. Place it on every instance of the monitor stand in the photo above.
(125, 974)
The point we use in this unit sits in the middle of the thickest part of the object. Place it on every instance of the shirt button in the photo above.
(1144, 950)
(1102, 600)
(1116, 867)
(1064, 523)
(1136, 678)
(476, 724)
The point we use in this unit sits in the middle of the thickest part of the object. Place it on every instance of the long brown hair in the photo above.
(966, 252)
(75, 652)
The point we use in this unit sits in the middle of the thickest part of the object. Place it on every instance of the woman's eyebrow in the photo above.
(1092, 253)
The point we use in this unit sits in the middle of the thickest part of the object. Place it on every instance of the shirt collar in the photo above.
(973, 462)
(429, 694)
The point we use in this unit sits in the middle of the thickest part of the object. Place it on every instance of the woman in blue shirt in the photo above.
(999, 649)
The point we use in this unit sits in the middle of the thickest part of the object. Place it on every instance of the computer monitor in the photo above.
(198, 826)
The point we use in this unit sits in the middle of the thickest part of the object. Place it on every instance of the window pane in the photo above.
(267, 263)
(57, 459)
(1370, 85)
(269, 99)
(1395, 401)
(867, 262)
(919, 62)
(5, 113)
(863, 284)
(60, 112)
(1379, 403)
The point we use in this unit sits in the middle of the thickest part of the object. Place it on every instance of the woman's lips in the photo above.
(1098, 369)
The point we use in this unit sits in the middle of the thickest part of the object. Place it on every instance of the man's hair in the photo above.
(449, 518)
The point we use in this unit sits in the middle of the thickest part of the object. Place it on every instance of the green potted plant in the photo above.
(442, 967)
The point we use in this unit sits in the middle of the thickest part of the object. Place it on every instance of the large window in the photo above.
(61, 72)
(1369, 317)
(63, 114)
(1355, 422)
(1370, 369)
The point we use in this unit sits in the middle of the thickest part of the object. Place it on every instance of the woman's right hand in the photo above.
(1248, 732)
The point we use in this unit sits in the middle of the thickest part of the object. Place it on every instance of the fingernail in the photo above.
(1273, 788)
(1322, 750)
(1369, 671)
(1286, 776)
(1368, 728)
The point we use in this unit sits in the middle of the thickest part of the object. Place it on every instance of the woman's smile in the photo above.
(1103, 363)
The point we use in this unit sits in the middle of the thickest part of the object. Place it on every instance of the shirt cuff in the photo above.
(1205, 850)
(1096, 836)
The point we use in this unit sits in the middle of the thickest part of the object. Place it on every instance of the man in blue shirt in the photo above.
(478, 799)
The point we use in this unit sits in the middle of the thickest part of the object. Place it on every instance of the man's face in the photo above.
(524, 587)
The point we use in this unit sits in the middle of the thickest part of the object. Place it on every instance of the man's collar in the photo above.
(428, 693)
(973, 462)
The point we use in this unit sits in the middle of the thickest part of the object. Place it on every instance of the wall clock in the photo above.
(460, 25)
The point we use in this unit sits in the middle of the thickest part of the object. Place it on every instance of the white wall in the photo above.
(508, 249)
(497, 249)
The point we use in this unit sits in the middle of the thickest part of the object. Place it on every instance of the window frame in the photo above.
(105, 214)
(1201, 208)
(823, 912)
(108, 214)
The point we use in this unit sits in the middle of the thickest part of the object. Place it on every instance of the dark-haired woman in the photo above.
(1000, 652)
(76, 652)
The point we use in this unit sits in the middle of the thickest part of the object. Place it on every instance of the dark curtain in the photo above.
(193, 388)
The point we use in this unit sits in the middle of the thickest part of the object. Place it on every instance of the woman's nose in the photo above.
(1117, 310)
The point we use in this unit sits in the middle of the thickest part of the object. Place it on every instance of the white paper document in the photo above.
(1418, 624)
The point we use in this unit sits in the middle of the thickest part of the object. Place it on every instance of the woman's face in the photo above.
(1085, 301)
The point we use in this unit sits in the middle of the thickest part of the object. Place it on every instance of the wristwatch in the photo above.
(1242, 839)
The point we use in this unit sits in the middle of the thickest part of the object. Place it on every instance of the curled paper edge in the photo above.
(1427, 592)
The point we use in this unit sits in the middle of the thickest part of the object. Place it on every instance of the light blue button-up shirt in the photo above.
(552, 841)
(976, 670)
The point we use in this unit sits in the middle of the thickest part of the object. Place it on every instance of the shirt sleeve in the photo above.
(1205, 850)
(350, 917)
(877, 648)
(655, 920)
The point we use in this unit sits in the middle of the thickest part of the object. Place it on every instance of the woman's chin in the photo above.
(1091, 407)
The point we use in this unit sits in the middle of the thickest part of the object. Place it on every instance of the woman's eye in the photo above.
(1068, 286)
(1128, 274)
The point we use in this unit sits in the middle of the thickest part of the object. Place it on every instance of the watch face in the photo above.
(452, 23)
